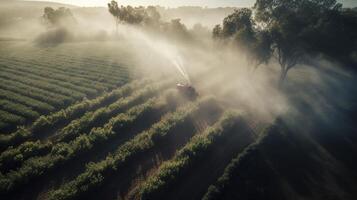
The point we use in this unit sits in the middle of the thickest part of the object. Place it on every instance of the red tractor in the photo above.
(187, 90)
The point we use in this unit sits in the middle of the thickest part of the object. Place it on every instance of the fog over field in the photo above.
(179, 100)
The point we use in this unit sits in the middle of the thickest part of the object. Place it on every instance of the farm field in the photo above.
(137, 138)
(101, 120)
(128, 102)
(37, 82)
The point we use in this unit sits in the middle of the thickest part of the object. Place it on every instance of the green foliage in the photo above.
(18, 109)
(64, 152)
(226, 181)
(11, 118)
(292, 32)
(43, 87)
(37, 105)
(291, 24)
(56, 100)
(45, 123)
(241, 28)
(133, 15)
(170, 171)
(58, 17)
(15, 156)
(97, 173)
(100, 116)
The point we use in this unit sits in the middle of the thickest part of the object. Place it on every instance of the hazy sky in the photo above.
(175, 3)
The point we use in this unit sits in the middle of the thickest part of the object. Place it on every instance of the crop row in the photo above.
(226, 183)
(64, 116)
(43, 84)
(10, 118)
(14, 157)
(84, 72)
(53, 99)
(64, 152)
(34, 104)
(18, 109)
(59, 75)
(97, 173)
(65, 84)
(99, 117)
(121, 122)
(170, 171)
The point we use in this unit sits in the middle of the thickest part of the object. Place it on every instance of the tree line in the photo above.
(292, 32)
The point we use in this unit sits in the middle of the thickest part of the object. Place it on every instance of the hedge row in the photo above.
(170, 171)
(97, 173)
(65, 152)
(99, 117)
(64, 116)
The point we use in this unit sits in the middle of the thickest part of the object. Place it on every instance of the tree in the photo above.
(152, 17)
(241, 28)
(115, 11)
(292, 24)
(217, 30)
(61, 16)
(134, 15)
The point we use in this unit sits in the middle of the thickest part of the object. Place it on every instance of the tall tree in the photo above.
(61, 16)
(242, 30)
(115, 11)
(292, 24)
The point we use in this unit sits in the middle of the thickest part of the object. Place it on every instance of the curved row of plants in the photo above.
(14, 157)
(65, 116)
(18, 109)
(81, 73)
(53, 99)
(169, 172)
(9, 119)
(62, 153)
(77, 67)
(99, 117)
(55, 75)
(225, 184)
(35, 104)
(42, 84)
(87, 91)
(97, 173)
(119, 123)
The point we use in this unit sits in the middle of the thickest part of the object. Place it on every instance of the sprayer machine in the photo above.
(187, 90)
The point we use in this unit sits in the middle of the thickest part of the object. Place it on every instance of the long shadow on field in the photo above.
(137, 168)
(194, 183)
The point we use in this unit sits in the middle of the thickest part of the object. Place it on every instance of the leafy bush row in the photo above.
(119, 123)
(42, 84)
(73, 70)
(36, 105)
(225, 183)
(48, 72)
(97, 173)
(64, 152)
(170, 171)
(63, 83)
(13, 157)
(99, 117)
(10, 118)
(18, 109)
(56, 100)
(64, 116)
